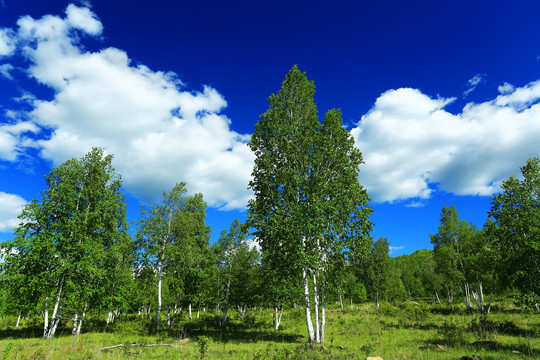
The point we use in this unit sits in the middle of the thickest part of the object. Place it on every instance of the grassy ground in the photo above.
(402, 331)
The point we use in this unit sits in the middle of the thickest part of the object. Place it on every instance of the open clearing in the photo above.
(397, 331)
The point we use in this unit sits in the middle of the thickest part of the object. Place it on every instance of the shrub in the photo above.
(202, 345)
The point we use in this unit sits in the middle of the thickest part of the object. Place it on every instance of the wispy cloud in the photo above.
(5, 71)
(416, 204)
(473, 83)
(393, 249)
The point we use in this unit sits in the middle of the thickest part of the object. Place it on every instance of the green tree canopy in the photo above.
(67, 243)
(308, 206)
(516, 234)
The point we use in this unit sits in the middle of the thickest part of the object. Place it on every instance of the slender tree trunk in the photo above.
(175, 311)
(309, 322)
(437, 295)
(481, 291)
(190, 313)
(226, 308)
(158, 310)
(449, 293)
(19, 319)
(316, 301)
(340, 302)
(351, 303)
(46, 316)
(85, 307)
(277, 316)
(75, 323)
(54, 320)
(466, 296)
(323, 310)
(110, 317)
(490, 298)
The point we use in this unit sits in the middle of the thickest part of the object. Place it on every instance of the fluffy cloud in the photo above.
(159, 132)
(411, 145)
(84, 19)
(10, 207)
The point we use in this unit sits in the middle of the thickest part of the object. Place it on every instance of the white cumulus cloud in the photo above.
(159, 132)
(84, 19)
(413, 146)
(10, 207)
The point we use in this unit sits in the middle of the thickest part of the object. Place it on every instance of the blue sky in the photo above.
(441, 98)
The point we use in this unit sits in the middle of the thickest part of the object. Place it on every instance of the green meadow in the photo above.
(396, 331)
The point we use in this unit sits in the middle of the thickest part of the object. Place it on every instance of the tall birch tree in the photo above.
(309, 207)
(168, 234)
(155, 237)
(63, 241)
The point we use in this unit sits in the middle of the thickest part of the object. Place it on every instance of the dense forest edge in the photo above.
(302, 278)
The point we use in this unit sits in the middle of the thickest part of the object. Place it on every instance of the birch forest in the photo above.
(75, 262)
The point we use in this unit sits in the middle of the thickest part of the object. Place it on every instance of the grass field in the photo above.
(396, 331)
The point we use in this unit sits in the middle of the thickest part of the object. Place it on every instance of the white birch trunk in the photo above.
(340, 302)
(158, 310)
(78, 330)
(437, 295)
(190, 313)
(376, 301)
(309, 322)
(55, 320)
(316, 301)
(466, 295)
(490, 298)
(277, 316)
(47, 331)
(323, 312)
(46, 316)
(481, 291)
(75, 323)
(18, 319)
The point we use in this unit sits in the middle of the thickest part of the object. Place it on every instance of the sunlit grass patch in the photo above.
(396, 331)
